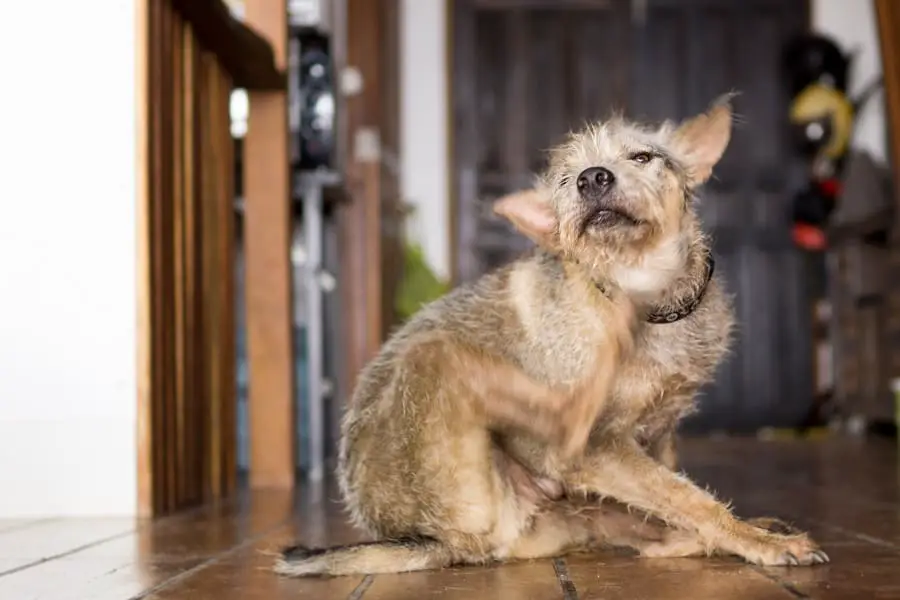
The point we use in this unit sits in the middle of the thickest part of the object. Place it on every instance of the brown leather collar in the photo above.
(662, 315)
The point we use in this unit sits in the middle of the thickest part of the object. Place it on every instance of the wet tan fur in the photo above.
(492, 424)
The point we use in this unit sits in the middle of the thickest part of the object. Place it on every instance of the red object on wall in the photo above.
(809, 237)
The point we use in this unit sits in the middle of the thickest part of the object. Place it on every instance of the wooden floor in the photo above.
(847, 493)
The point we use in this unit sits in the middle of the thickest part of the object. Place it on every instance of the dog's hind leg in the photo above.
(569, 526)
(552, 534)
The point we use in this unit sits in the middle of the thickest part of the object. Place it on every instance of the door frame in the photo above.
(369, 42)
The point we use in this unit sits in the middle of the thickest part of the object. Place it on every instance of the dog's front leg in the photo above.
(624, 472)
(499, 394)
(662, 448)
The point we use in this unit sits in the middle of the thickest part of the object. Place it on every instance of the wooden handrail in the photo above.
(242, 52)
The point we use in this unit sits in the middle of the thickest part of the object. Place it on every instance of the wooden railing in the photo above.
(192, 54)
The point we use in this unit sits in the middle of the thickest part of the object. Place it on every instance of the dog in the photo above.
(532, 412)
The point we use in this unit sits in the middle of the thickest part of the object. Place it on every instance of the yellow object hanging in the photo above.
(816, 102)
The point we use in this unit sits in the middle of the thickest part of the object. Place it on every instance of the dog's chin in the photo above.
(611, 217)
(614, 229)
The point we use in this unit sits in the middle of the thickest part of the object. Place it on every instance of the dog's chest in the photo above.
(656, 360)
(562, 356)
(670, 362)
(563, 339)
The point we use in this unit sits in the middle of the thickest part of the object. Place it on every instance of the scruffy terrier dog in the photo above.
(532, 413)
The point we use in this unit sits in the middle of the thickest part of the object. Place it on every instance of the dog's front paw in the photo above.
(778, 550)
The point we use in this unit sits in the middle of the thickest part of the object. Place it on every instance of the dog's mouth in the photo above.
(608, 216)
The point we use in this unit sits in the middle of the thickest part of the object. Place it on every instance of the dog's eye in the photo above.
(563, 182)
(642, 158)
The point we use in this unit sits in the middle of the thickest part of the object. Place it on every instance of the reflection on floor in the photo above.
(845, 492)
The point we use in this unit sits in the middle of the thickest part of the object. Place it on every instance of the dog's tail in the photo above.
(385, 556)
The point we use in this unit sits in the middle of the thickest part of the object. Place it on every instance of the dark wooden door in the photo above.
(526, 71)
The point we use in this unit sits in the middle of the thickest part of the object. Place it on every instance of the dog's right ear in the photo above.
(532, 215)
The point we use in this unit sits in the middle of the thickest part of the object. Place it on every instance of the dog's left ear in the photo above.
(532, 215)
(701, 141)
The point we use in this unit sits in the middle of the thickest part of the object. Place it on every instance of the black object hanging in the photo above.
(812, 58)
(316, 88)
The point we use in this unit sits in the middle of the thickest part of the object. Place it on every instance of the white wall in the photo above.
(67, 259)
(425, 106)
(853, 26)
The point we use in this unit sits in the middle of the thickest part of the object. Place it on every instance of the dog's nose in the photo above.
(595, 180)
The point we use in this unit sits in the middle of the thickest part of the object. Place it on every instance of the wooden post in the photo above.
(369, 117)
(268, 275)
(146, 441)
(888, 18)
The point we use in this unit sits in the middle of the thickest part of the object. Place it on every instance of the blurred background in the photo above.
(305, 174)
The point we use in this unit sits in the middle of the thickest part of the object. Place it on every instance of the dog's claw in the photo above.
(814, 557)
(780, 550)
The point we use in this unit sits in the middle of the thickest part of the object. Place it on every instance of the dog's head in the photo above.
(618, 195)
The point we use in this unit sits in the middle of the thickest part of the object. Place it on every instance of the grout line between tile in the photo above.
(565, 582)
(140, 524)
(860, 536)
(213, 560)
(785, 585)
(45, 559)
(863, 537)
(364, 584)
